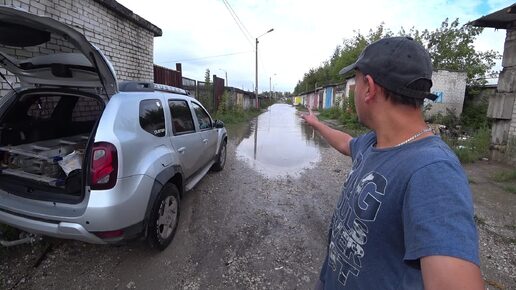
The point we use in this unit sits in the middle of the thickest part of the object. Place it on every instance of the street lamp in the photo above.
(256, 72)
(227, 84)
(270, 87)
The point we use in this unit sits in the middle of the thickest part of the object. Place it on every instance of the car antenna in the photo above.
(5, 79)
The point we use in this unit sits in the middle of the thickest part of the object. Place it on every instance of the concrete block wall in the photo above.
(451, 88)
(507, 80)
(126, 44)
(503, 132)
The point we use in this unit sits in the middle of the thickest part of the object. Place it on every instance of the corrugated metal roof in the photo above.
(502, 19)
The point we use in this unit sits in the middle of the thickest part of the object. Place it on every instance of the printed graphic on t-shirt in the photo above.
(358, 206)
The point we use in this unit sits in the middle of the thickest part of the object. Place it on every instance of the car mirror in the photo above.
(219, 124)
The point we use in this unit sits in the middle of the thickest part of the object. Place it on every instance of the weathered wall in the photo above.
(451, 88)
(348, 92)
(507, 80)
(126, 39)
(502, 105)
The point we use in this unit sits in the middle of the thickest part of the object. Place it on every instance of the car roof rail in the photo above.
(165, 88)
(134, 86)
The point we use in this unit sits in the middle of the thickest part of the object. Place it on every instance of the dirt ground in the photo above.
(495, 212)
(240, 230)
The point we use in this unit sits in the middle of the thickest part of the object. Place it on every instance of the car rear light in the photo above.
(110, 234)
(104, 166)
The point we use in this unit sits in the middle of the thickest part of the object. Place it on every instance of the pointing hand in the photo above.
(310, 118)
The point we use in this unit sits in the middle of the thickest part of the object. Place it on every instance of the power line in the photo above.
(236, 15)
(206, 57)
(239, 23)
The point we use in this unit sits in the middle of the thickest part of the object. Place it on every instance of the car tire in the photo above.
(221, 159)
(164, 218)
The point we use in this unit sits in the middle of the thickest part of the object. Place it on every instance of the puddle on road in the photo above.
(280, 144)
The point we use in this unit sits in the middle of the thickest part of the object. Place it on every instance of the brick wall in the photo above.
(125, 38)
(451, 88)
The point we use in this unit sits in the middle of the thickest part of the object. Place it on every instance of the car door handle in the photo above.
(181, 150)
(204, 141)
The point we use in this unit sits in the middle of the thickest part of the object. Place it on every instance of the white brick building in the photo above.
(450, 87)
(125, 38)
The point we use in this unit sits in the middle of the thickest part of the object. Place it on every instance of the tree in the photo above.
(207, 77)
(342, 56)
(450, 47)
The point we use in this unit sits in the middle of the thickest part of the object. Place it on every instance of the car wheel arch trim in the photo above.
(161, 180)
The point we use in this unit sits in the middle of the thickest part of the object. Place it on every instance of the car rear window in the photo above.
(86, 109)
(152, 117)
(182, 121)
(43, 107)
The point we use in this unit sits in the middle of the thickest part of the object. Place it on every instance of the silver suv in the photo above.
(83, 157)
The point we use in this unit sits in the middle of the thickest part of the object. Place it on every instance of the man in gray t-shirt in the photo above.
(405, 216)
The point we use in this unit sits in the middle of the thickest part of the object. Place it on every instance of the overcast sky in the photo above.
(202, 34)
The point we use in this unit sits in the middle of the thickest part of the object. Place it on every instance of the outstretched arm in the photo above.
(337, 139)
(443, 272)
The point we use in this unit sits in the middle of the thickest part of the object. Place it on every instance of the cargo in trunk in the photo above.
(44, 138)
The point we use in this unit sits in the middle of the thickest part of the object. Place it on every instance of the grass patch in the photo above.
(471, 148)
(510, 188)
(236, 116)
(504, 176)
(347, 118)
(331, 113)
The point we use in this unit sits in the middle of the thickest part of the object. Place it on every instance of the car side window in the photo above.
(152, 117)
(202, 116)
(182, 121)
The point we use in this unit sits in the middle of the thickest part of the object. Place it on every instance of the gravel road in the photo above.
(239, 229)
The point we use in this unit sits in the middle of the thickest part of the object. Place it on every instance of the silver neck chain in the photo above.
(428, 129)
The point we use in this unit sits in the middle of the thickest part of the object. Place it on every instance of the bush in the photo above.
(474, 117)
(449, 120)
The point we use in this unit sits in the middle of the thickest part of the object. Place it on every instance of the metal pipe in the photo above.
(25, 240)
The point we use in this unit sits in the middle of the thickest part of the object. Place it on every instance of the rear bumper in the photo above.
(120, 208)
(64, 230)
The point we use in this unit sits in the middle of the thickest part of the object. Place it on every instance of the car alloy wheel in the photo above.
(164, 217)
(167, 218)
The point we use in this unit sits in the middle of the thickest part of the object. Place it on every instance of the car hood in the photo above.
(64, 57)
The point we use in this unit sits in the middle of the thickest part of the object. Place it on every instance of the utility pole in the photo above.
(270, 87)
(256, 75)
(226, 79)
(256, 68)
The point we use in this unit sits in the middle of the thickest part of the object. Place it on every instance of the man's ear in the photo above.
(372, 89)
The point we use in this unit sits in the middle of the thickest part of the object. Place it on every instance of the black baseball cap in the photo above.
(395, 63)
